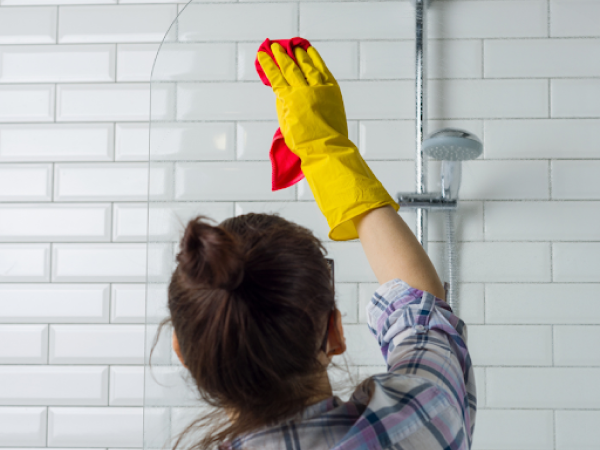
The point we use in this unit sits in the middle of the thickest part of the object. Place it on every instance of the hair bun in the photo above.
(210, 255)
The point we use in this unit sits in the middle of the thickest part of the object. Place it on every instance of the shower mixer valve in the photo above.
(451, 146)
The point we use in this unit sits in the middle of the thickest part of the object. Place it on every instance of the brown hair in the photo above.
(249, 301)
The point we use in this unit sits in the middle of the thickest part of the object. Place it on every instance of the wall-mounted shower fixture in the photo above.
(451, 146)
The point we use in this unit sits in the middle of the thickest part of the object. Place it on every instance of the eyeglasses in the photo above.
(330, 316)
(330, 264)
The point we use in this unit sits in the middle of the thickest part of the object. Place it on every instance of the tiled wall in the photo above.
(524, 75)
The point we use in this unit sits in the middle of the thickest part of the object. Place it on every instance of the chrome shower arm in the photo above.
(451, 179)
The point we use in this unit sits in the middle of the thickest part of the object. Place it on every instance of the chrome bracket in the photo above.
(431, 201)
(425, 2)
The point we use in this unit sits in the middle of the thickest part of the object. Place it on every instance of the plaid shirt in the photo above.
(425, 401)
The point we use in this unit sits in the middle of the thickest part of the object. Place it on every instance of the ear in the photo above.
(336, 343)
(177, 349)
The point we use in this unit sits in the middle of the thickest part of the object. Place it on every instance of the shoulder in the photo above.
(399, 406)
(398, 390)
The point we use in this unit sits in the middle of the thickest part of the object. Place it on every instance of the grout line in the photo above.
(154, 363)
(322, 40)
(483, 234)
(552, 261)
(298, 19)
(111, 222)
(55, 106)
(237, 61)
(47, 425)
(114, 142)
(357, 302)
(554, 428)
(116, 61)
(483, 77)
(52, 178)
(48, 344)
(236, 144)
(548, 19)
(110, 295)
(57, 24)
(37, 283)
(549, 98)
(108, 386)
(484, 124)
(178, 10)
(484, 302)
(550, 179)
(365, 80)
(51, 257)
(359, 63)
(552, 345)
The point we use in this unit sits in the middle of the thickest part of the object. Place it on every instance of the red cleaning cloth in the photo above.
(285, 165)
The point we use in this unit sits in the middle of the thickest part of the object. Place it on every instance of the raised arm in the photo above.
(313, 122)
(393, 251)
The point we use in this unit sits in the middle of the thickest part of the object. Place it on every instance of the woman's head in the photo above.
(250, 301)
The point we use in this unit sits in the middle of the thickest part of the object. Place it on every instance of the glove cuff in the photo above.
(344, 187)
(342, 227)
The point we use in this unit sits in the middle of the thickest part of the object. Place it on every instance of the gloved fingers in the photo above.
(313, 76)
(272, 72)
(318, 62)
(291, 71)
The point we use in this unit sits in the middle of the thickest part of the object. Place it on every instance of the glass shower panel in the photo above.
(212, 122)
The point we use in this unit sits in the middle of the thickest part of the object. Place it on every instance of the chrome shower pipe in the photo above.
(421, 114)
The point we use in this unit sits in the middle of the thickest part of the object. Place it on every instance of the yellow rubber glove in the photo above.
(312, 119)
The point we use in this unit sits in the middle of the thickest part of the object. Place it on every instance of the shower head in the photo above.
(452, 144)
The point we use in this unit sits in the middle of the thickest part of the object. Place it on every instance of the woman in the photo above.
(253, 308)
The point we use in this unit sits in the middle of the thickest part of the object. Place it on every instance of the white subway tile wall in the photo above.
(226, 22)
(25, 182)
(574, 98)
(95, 427)
(540, 58)
(490, 19)
(573, 429)
(446, 59)
(28, 344)
(55, 303)
(542, 387)
(571, 18)
(25, 262)
(57, 63)
(524, 75)
(102, 102)
(128, 303)
(64, 142)
(23, 426)
(53, 385)
(96, 344)
(28, 25)
(126, 386)
(112, 23)
(27, 103)
(134, 61)
(512, 429)
(99, 262)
